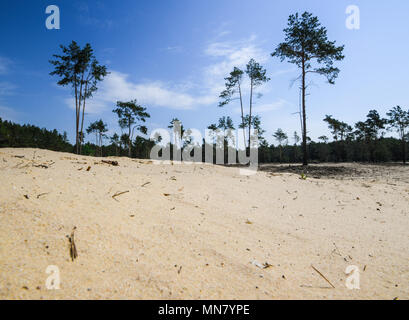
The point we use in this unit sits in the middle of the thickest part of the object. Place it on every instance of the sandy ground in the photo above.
(197, 231)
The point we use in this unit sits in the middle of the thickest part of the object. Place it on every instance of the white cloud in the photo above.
(118, 87)
(233, 54)
(184, 95)
(230, 54)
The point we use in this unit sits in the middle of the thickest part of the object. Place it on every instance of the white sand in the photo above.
(198, 241)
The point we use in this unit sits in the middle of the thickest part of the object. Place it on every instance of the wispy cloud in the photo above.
(175, 49)
(4, 65)
(236, 53)
(230, 54)
(283, 72)
(86, 17)
(223, 33)
(268, 107)
(6, 88)
(7, 113)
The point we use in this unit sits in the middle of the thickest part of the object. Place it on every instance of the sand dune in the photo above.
(196, 231)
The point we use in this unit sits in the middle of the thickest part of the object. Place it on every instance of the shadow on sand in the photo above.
(341, 170)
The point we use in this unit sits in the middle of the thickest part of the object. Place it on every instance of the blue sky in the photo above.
(172, 56)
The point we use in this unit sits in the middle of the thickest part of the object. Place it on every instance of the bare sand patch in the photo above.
(147, 231)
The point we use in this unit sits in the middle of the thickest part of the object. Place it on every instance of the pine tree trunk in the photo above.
(96, 144)
(129, 141)
(404, 149)
(80, 98)
(77, 117)
(251, 104)
(281, 154)
(242, 118)
(304, 119)
(82, 121)
(100, 144)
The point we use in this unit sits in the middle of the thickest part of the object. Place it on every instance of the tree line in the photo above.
(28, 136)
(363, 142)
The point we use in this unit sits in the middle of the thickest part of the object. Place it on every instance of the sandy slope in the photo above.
(194, 230)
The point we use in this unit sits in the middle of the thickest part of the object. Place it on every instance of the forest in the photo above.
(367, 143)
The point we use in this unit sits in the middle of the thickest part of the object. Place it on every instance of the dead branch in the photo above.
(118, 194)
(40, 166)
(113, 163)
(73, 248)
(316, 270)
(42, 194)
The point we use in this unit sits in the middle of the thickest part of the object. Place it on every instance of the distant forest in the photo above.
(28, 136)
(365, 144)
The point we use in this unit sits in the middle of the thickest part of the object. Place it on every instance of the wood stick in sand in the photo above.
(73, 248)
(113, 163)
(42, 194)
(316, 270)
(118, 194)
(40, 166)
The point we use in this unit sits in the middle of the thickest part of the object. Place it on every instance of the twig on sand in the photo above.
(42, 194)
(118, 194)
(73, 248)
(40, 166)
(20, 157)
(113, 163)
(316, 270)
(146, 183)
